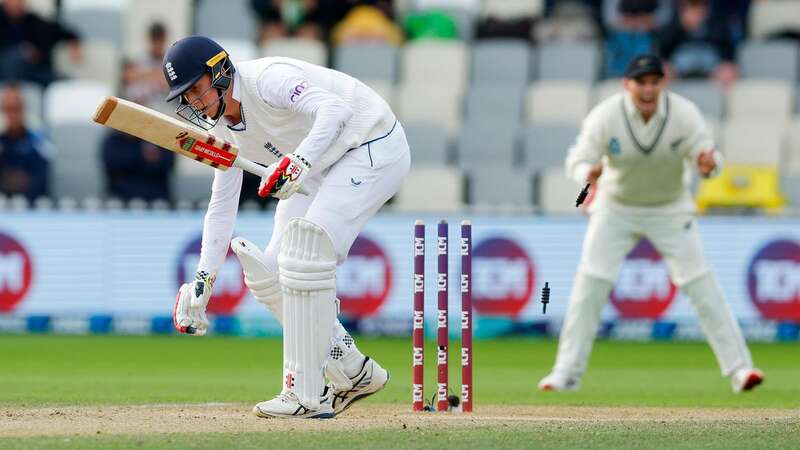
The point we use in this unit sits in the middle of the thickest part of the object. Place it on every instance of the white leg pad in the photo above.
(262, 282)
(720, 327)
(307, 266)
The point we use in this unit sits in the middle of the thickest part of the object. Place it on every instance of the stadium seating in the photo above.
(742, 186)
(96, 20)
(485, 142)
(705, 94)
(231, 19)
(308, 50)
(546, 146)
(565, 60)
(512, 9)
(772, 59)
(239, 49)
(100, 62)
(432, 104)
(76, 168)
(73, 101)
(141, 14)
(43, 8)
(494, 103)
(191, 181)
(428, 143)
(383, 88)
(557, 193)
(605, 89)
(501, 61)
(564, 102)
(431, 189)
(767, 99)
(791, 163)
(439, 63)
(753, 141)
(773, 16)
(500, 187)
(367, 61)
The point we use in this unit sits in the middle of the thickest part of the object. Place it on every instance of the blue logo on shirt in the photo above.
(613, 146)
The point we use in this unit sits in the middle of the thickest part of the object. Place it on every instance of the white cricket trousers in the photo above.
(610, 236)
(345, 196)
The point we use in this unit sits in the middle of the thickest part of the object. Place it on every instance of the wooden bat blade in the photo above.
(166, 132)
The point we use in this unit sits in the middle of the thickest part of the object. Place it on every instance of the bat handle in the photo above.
(259, 170)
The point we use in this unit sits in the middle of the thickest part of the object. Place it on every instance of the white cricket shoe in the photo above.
(746, 379)
(286, 406)
(371, 379)
(557, 382)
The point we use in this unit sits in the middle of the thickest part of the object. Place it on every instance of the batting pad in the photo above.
(261, 281)
(307, 266)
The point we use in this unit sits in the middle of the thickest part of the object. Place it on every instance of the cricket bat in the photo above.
(174, 135)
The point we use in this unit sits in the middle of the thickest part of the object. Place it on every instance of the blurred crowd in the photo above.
(696, 38)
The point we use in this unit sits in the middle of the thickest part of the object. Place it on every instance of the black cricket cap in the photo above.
(645, 64)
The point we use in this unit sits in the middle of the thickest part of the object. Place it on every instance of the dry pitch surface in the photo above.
(237, 418)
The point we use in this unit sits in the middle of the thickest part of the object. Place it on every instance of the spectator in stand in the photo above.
(24, 154)
(698, 45)
(311, 19)
(630, 30)
(26, 44)
(136, 168)
(367, 23)
(144, 79)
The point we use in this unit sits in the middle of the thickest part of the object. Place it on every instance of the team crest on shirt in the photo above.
(613, 146)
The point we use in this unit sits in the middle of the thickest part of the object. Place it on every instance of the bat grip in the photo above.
(258, 169)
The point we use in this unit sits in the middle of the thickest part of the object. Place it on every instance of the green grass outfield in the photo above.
(67, 371)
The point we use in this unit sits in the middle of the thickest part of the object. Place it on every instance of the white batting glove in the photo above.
(189, 315)
(286, 178)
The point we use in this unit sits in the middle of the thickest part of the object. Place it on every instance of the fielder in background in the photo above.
(344, 146)
(642, 141)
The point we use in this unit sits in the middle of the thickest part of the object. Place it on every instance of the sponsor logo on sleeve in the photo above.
(294, 96)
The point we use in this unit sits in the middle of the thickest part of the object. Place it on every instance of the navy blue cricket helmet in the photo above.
(186, 61)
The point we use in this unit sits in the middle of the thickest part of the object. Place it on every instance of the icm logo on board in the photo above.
(643, 289)
(16, 272)
(229, 289)
(503, 277)
(364, 280)
(773, 280)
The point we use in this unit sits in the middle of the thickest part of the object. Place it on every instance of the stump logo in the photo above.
(16, 272)
(773, 280)
(364, 280)
(229, 289)
(643, 289)
(503, 277)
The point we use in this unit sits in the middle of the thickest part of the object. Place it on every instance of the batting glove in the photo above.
(286, 177)
(189, 316)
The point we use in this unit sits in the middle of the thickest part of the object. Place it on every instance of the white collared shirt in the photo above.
(644, 163)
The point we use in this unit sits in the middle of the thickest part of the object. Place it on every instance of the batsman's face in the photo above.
(203, 97)
(645, 91)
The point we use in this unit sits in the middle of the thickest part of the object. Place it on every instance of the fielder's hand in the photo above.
(189, 315)
(286, 178)
(594, 173)
(706, 163)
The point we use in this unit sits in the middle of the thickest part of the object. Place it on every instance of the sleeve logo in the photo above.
(297, 90)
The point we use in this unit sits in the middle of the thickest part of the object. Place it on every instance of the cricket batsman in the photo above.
(345, 156)
(637, 147)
